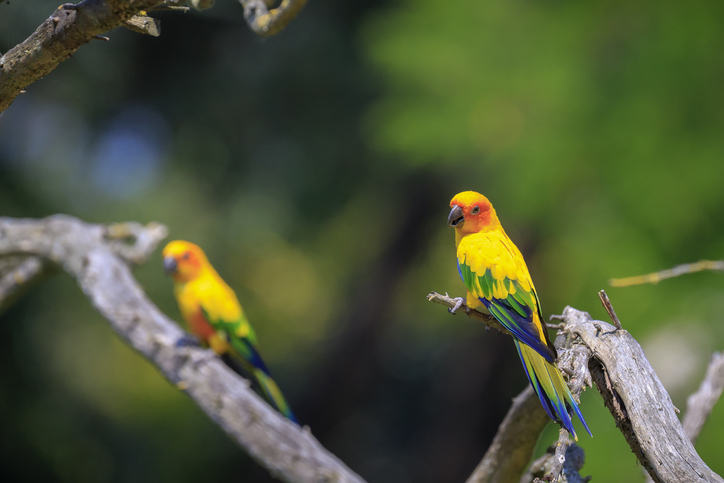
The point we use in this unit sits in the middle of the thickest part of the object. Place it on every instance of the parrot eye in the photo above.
(476, 210)
(186, 255)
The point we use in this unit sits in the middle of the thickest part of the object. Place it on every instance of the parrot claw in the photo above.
(188, 340)
(459, 301)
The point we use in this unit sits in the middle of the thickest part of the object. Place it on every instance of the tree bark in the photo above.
(98, 261)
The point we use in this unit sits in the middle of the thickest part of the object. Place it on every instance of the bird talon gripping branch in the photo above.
(459, 301)
(497, 279)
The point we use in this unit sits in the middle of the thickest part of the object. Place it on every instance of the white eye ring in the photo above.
(476, 210)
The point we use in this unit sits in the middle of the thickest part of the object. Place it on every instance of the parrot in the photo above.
(213, 313)
(498, 282)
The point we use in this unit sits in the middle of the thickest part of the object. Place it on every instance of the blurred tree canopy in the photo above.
(315, 168)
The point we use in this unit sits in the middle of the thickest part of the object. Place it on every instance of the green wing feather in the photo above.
(240, 335)
(494, 271)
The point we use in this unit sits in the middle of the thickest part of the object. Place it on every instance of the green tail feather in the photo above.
(274, 394)
(551, 388)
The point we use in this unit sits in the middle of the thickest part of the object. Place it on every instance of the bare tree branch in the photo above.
(267, 22)
(487, 319)
(65, 31)
(513, 445)
(559, 456)
(631, 390)
(700, 404)
(17, 274)
(638, 401)
(570, 465)
(656, 277)
(85, 253)
(71, 26)
(609, 308)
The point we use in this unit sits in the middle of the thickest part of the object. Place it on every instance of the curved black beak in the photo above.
(170, 265)
(456, 218)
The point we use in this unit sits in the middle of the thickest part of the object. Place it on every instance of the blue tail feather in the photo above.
(560, 410)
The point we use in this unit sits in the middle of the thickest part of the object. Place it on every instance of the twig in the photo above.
(700, 404)
(574, 460)
(514, 442)
(17, 274)
(559, 457)
(609, 308)
(265, 22)
(144, 24)
(656, 277)
(85, 253)
(485, 318)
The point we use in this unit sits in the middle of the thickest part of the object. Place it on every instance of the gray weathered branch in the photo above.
(267, 22)
(631, 390)
(638, 401)
(700, 404)
(513, 445)
(99, 266)
(17, 274)
(551, 462)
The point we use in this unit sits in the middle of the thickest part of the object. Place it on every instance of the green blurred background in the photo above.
(315, 168)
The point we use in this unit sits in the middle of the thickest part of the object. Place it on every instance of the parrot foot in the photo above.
(188, 340)
(459, 302)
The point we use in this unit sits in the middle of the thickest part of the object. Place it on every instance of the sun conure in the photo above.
(215, 316)
(498, 282)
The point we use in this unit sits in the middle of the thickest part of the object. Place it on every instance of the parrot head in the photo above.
(183, 260)
(471, 213)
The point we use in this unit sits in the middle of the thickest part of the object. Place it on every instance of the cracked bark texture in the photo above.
(594, 351)
(95, 257)
(638, 401)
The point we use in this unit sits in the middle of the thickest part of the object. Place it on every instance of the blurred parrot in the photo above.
(497, 280)
(213, 313)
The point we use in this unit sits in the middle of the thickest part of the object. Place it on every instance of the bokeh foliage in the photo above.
(315, 168)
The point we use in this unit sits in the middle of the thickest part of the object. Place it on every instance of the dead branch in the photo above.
(98, 264)
(267, 22)
(65, 31)
(631, 390)
(570, 465)
(71, 26)
(700, 404)
(513, 445)
(609, 308)
(17, 274)
(638, 401)
(656, 277)
(487, 319)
